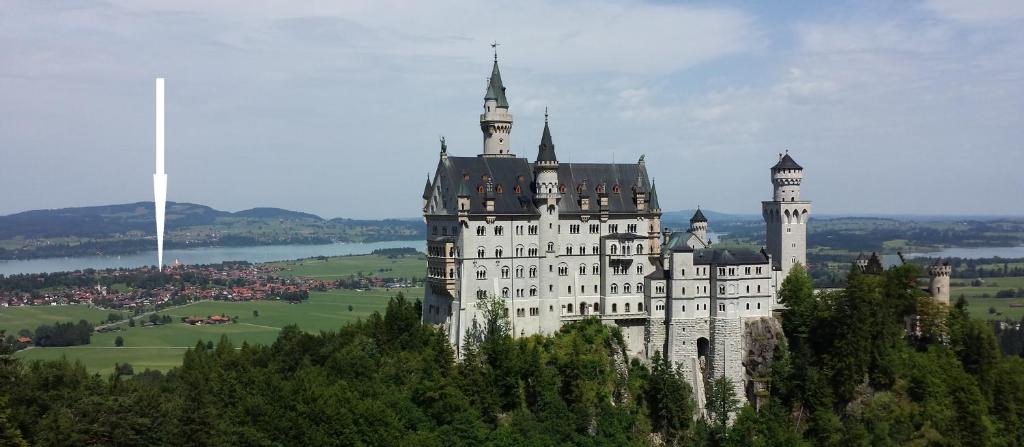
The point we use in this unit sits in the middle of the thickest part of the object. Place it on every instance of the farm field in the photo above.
(161, 347)
(14, 319)
(980, 299)
(344, 266)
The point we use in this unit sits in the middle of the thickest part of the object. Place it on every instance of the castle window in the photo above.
(480, 252)
(758, 305)
(682, 272)
(640, 269)
(569, 307)
(518, 189)
(721, 307)
(639, 307)
(748, 290)
(684, 291)
(504, 272)
(499, 230)
(533, 271)
(520, 312)
(625, 288)
(596, 249)
(519, 250)
(568, 250)
(759, 270)
(639, 287)
(583, 269)
(596, 269)
(534, 311)
(569, 290)
(639, 249)
(583, 249)
(594, 229)
(615, 288)
(480, 189)
(748, 306)
(551, 247)
(615, 308)
(627, 308)
(497, 252)
(721, 290)
(746, 270)
(616, 188)
(504, 292)
(563, 270)
(498, 189)
(481, 273)
(615, 249)
(574, 229)
(758, 288)
(533, 290)
(480, 230)
(519, 271)
(631, 228)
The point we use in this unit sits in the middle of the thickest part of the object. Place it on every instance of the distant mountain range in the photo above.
(127, 228)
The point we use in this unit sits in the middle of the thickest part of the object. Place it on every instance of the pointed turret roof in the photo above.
(698, 216)
(495, 89)
(787, 162)
(426, 189)
(546, 150)
(654, 198)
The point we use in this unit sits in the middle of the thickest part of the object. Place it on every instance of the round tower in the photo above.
(547, 198)
(786, 178)
(699, 226)
(938, 281)
(496, 122)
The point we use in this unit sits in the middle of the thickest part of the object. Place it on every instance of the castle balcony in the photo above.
(442, 286)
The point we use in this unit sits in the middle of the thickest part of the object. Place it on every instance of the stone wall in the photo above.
(727, 352)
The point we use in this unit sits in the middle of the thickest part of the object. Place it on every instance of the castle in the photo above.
(559, 242)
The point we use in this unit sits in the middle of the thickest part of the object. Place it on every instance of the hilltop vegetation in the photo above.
(849, 375)
(128, 228)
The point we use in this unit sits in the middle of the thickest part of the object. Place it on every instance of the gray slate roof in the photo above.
(654, 198)
(495, 89)
(787, 162)
(698, 216)
(546, 150)
(507, 173)
(728, 256)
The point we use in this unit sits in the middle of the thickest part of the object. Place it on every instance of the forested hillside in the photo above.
(129, 228)
(850, 375)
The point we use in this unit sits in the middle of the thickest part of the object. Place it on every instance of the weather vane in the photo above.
(494, 45)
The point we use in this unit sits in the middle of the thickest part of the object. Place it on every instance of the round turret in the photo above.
(786, 178)
(938, 281)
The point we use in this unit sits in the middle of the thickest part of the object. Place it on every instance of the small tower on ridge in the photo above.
(938, 281)
(699, 226)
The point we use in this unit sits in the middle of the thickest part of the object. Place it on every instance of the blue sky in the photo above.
(335, 108)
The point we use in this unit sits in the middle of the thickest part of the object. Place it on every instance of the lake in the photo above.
(203, 255)
(972, 253)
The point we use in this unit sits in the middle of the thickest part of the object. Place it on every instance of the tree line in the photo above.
(876, 363)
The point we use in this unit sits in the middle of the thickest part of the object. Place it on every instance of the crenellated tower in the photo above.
(785, 217)
(938, 281)
(496, 122)
(699, 226)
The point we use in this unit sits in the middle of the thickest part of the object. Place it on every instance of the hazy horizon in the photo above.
(893, 108)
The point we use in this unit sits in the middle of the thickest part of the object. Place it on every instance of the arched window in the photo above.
(639, 269)
(583, 269)
(479, 252)
(627, 308)
(615, 288)
(639, 249)
(481, 272)
(639, 287)
(569, 307)
(551, 246)
(595, 269)
(615, 249)
(615, 308)
(497, 252)
(504, 292)
(504, 272)
(583, 249)
(568, 249)
(533, 271)
(639, 307)
(519, 271)
(583, 308)
(533, 290)
(625, 288)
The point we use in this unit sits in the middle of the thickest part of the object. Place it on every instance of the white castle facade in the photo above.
(559, 242)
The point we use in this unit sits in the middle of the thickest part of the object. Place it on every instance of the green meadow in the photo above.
(345, 266)
(161, 347)
(14, 319)
(981, 299)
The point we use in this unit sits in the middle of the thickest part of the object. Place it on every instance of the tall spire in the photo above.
(495, 89)
(654, 198)
(546, 150)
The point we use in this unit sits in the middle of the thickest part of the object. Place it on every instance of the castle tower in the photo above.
(785, 217)
(938, 281)
(496, 122)
(547, 197)
(699, 226)
(654, 232)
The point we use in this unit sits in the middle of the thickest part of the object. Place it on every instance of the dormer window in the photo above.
(561, 188)
(498, 189)
(518, 189)
(480, 189)
(615, 188)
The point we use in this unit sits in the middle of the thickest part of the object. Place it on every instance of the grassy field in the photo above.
(344, 266)
(14, 319)
(161, 347)
(980, 299)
